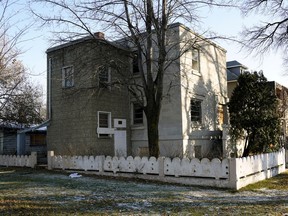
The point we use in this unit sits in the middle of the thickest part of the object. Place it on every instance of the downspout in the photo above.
(49, 88)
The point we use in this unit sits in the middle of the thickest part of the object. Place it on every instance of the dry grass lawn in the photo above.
(42, 192)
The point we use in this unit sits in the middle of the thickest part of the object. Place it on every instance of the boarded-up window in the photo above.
(220, 115)
(37, 139)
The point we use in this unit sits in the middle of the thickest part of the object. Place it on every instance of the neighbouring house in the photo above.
(90, 114)
(8, 139)
(281, 93)
(33, 141)
(234, 69)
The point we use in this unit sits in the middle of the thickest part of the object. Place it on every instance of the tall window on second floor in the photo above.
(195, 110)
(135, 63)
(104, 77)
(67, 76)
(195, 60)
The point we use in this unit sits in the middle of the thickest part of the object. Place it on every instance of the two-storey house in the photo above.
(92, 112)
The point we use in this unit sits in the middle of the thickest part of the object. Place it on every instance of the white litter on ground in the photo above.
(75, 175)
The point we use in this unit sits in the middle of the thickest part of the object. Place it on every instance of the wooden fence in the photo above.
(230, 173)
(19, 160)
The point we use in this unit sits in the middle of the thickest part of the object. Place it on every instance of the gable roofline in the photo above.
(180, 25)
(118, 45)
(86, 39)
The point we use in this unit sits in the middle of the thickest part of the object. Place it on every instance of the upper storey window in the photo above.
(104, 77)
(195, 60)
(67, 76)
(135, 63)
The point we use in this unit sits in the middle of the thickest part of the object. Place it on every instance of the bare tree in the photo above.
(15, 90)
(269, 35)
(143, 25)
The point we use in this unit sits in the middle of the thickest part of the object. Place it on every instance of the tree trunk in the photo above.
(249, 144)
(153, 137)
(246, 151)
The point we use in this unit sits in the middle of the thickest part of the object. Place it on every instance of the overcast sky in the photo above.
(222, 21)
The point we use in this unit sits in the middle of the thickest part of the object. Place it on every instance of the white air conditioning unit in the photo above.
(119, 123)
(105, 130)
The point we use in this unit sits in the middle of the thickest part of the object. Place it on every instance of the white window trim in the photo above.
(101, 130)
(64, 78)
(196, 72)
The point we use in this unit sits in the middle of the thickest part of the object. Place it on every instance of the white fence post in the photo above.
(50, 156)
(101, 164)
(225, 141)
(33, 159)
(233, 177)
(161, 166)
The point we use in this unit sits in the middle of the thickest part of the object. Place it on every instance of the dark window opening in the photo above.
(135, 63)
(196, 114)
(137, 114)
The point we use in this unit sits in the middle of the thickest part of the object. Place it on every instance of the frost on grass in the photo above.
(111, 196)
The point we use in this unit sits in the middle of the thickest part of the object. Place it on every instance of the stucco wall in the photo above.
(208, 86)
(175, 128)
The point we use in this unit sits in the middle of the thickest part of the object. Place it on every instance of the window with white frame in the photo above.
(67, 76)
(104, 77)
(137, 114)
(195, 110)
(195, 60)
(104, 124)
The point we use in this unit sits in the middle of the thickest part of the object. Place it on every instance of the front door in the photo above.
(120, 143)
(120, 138)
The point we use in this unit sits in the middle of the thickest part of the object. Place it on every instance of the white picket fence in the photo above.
(255, 168)
(232, 173)
(19, 160)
